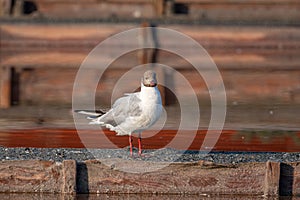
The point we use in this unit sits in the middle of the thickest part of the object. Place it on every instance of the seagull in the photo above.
(132, 113)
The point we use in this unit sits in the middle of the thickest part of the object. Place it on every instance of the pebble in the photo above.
(161, 155)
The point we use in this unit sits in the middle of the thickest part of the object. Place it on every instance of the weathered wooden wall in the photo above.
(268, 179)
(82, 9)
(258, 64)
(247, 11)
(287, 11)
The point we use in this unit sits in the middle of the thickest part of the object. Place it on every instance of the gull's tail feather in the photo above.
(91, 114)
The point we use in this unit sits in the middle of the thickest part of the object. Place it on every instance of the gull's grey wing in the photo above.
(124, 107)
(127, 106)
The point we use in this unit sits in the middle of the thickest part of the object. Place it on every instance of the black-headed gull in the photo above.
(134, 112)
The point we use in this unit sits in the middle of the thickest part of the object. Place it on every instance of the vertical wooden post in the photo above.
(169, 8)
(14, 86)
(18, 8)
(159, 7)
(5, 87)
(272, 179)
(69, 177)
(5, 7)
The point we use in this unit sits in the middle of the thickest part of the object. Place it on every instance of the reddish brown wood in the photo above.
(229, 140)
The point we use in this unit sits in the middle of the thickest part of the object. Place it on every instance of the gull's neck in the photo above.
(148, 91)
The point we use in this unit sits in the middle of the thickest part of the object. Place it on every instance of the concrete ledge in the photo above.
(268, 179)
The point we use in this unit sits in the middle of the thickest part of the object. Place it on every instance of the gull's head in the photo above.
(149, 79)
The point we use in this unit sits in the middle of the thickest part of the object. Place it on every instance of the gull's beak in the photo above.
(152, 84)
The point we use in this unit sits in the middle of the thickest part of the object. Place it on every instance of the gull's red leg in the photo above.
(140, 144)
(130, 144)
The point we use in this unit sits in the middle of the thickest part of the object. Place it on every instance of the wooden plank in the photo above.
(270, 2)
(119, 176)
(30, 176)
(67, 45)
(98, 9)
(95, 1)
(234, 11)
(176, 178)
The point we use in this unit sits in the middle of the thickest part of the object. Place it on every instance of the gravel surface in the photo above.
(162, 155)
